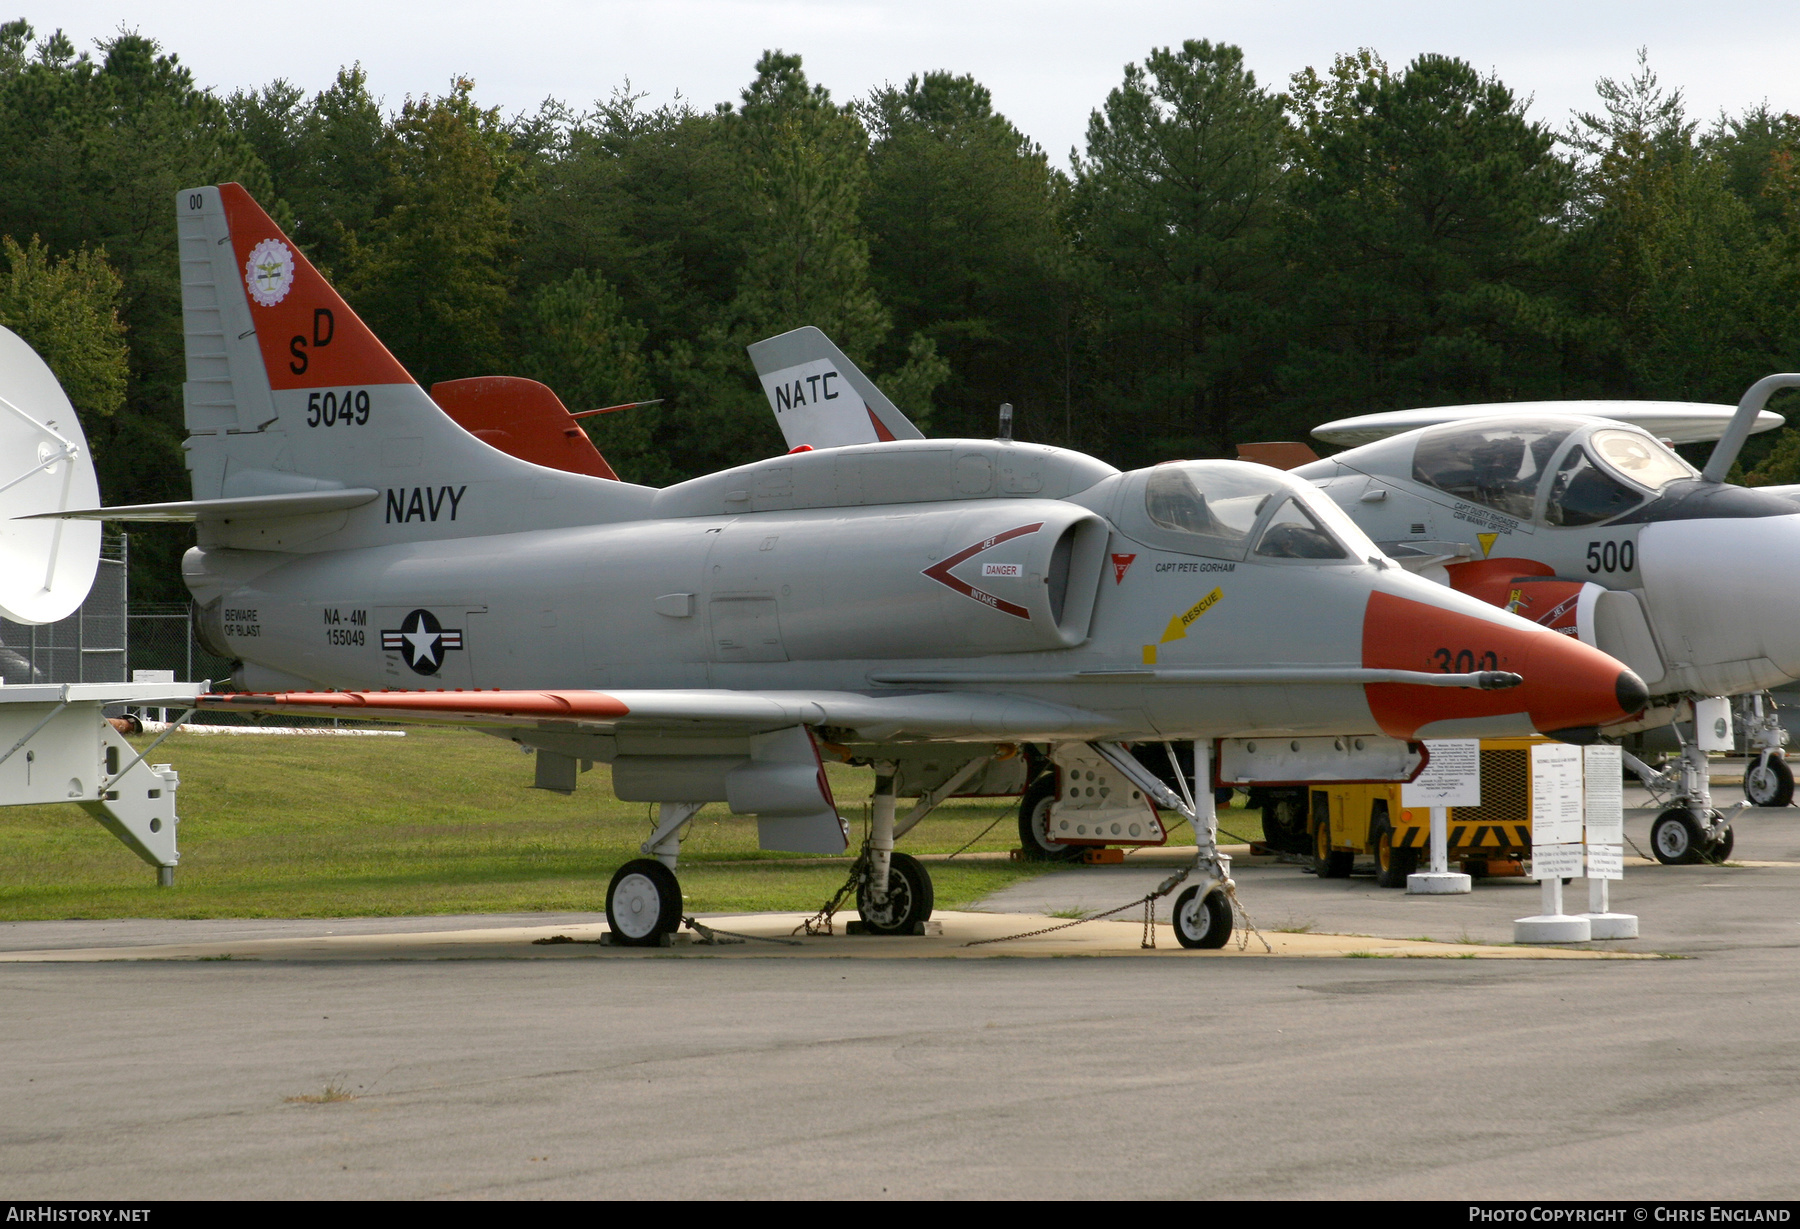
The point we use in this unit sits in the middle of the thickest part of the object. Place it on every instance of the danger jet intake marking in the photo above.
(940, 572)
(423, 503)
(1002, 569)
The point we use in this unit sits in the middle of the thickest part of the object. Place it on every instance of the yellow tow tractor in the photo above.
(1334, 822)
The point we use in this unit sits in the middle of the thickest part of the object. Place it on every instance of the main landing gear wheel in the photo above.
(1329, 863)
(908, 903)
(1676, 839)
(643, 903)
(1769, 785)
(1202, 922)
(1034, 824)
(1392, 865)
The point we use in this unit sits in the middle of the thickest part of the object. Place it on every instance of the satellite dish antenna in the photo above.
(46, 566)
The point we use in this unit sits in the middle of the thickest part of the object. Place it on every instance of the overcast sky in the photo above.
(1048, 64)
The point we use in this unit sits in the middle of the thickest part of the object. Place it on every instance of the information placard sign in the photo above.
(1556, 861)
(1604, 783)
(1451, 777)
(1606, 862)
(1556, 812)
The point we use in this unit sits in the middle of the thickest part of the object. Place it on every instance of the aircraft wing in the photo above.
(820, 398)
(1679, 422)
(950, 716)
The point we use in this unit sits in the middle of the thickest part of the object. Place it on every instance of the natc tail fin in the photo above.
(820, 398)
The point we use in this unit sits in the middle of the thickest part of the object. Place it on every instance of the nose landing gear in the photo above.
(1202, 921)
(1768, 780)
(1692, 830)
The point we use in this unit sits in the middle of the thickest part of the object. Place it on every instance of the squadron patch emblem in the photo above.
(269, 273)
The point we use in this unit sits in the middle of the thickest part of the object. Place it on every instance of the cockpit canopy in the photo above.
(1584, 474)
(1231, 510)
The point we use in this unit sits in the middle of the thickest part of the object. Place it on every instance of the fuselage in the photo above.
(784, 576)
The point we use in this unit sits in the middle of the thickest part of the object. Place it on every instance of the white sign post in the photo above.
(1556, 843)
(1451, 778)
(1603, 779)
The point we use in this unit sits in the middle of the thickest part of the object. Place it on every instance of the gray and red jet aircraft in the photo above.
(368, 549)
(1578, 516)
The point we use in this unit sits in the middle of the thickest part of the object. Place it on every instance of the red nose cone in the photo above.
(1568, 685)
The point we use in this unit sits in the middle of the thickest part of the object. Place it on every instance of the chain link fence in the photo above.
(109, 638)
(90, 646)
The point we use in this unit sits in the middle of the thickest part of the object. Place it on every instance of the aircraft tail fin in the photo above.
(289, 391)
(820, 398)
(1278, 454)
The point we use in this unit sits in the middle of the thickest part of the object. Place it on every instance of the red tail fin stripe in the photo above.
(308, 335)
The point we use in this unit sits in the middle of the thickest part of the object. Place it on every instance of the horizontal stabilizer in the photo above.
(247, 508)
(1679, 422)
(820, 398)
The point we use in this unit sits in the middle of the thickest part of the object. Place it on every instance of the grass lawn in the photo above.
(441, 821)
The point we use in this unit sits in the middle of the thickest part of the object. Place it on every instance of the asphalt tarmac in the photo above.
(594, 1076)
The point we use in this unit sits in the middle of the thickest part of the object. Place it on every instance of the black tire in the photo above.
(909, 899)
(1675, 839)
(1392, 865)
(1202, 923)
(1720, 850)
(1772, 786)
(643, 903)
(1329, 863)
(1284, 823)
(1034, 824)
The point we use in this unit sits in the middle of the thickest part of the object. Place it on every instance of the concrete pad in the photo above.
(955, 935)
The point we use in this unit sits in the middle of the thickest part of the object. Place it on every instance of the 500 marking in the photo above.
(1612, 556)
(1465, 661)
(328, 410)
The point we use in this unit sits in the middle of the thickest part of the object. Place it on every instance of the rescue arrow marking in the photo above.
(940, 571)
(1177, 629)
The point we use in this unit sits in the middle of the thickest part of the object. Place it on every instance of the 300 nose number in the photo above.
(1464, 661)
(1611, 556)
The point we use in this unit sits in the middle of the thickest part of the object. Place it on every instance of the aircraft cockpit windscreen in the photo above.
(1294, 533)
(1223, 508)
(1216, 502)
(1497, 465)
(1644, 460)
(1585, 494)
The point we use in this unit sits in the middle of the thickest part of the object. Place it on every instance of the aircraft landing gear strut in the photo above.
(643, 901)
(1768, 779)
(1691, 829)
(894, 895)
